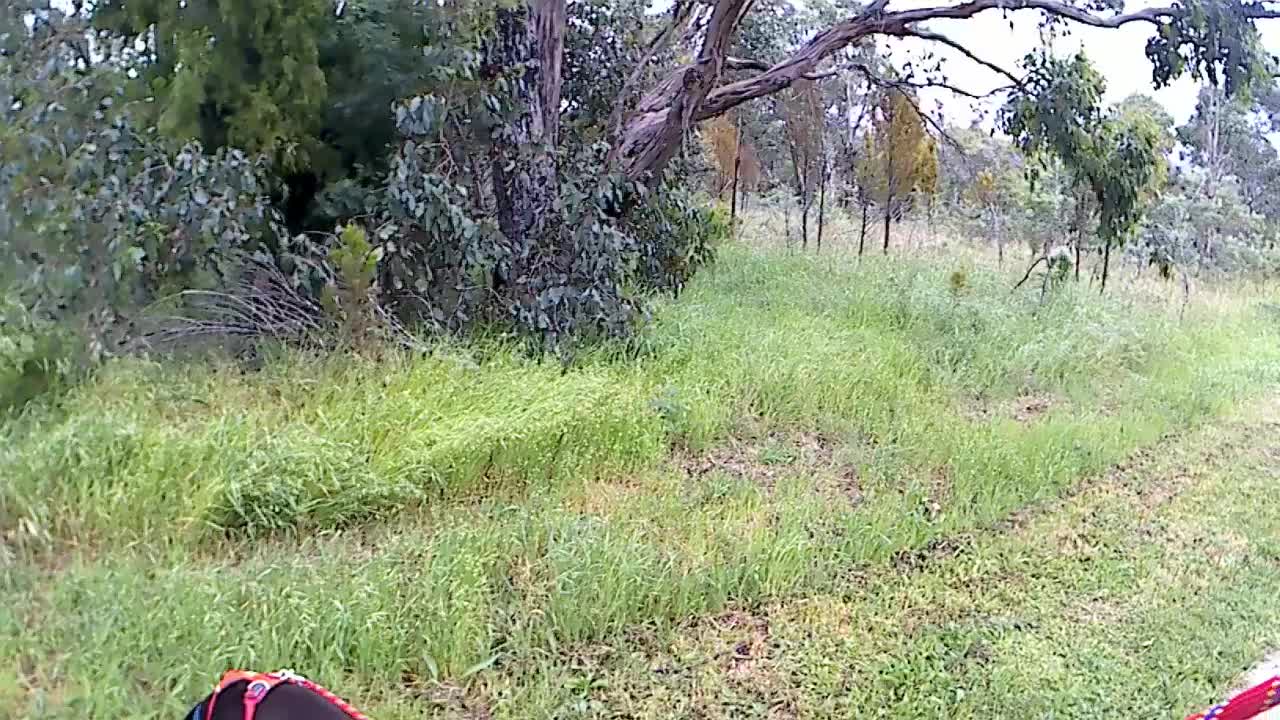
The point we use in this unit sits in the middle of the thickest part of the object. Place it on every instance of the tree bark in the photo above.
(652, 135)
(525, 185)
(1213, 153)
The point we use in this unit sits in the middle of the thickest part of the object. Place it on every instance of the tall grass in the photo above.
(165, 522)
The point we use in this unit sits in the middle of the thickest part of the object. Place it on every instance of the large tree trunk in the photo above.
(530, 37)
(851, 123)
(1213, 152)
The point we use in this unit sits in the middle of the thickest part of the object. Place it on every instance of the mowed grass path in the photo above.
(1146, 593)
(470, 532)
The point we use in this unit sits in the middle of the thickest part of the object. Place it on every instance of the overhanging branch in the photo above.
(657, 127)
(681, 15)
(943, 39)
(902, 83)
(736, 63)
(691, 94)
(904, 23)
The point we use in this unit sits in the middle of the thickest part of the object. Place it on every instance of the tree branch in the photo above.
(689, 95)
(1155, 15)
(1023, 281)
(681, 14)
(940, 38)
(880, 81)
(736, 63)
(657, 127)
(902, 24)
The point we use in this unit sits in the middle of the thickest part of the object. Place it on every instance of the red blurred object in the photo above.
(1248, 704)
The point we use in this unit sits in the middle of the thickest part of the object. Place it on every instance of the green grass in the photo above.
(469, 526)
(1142, 596)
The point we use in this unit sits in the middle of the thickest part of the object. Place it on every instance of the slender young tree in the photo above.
(1116, 157)
(902, 157)
(804, 124)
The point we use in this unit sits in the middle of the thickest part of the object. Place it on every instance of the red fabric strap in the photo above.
(256, 690)
(1248, 704)
(261, 684)
(334, 700)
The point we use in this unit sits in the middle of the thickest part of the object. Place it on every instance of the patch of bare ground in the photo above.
(604, 497)
(765, 458)
(744, 663)
(1096, 611)
(447, 700)
(943, 548)
(940, 490)
(1023, 409)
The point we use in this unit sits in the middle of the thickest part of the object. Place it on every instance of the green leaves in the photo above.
(1117, 155)
(1214, 40)
(256, 62)
(99, 216)
(1057, 108)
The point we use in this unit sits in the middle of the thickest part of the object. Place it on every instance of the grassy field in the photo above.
(791, 496)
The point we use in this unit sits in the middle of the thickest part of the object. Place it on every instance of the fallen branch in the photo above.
(1027, 276)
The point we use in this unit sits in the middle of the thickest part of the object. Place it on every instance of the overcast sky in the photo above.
(1118, 54)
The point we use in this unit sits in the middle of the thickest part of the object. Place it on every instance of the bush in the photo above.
(105, 223)
(99, 216)
(35, 357)
(677, 235)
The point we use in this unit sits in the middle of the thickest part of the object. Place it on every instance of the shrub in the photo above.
(35, 357)
(98, 216)
(349, 295)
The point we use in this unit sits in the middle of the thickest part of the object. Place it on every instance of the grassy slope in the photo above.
(166, 523)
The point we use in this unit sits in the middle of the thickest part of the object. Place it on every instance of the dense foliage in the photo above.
(142, 161)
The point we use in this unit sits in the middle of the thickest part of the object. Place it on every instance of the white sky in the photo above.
(1118, 54)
